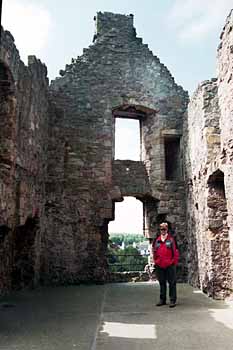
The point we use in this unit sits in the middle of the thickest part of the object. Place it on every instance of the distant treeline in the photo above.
(128, 259)
(127, 238)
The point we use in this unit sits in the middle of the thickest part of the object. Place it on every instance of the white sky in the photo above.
(127, 139)
(184, 34)
(128, 217)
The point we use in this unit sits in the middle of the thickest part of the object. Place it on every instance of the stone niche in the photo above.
(219, 276)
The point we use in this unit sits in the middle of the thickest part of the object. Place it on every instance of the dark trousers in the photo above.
(164, 276)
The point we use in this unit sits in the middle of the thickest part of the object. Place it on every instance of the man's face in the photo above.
(163, 230)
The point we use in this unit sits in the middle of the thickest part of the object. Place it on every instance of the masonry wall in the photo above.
(7, 173)
(131, 177)
(225, 92)
(117, 70)
(23, 158)
(208, 138)
(59, 180)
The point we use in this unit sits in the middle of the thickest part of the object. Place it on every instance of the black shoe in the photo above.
(172, 304)
(160, 303)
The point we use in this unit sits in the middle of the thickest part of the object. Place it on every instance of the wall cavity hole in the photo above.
(7, 306)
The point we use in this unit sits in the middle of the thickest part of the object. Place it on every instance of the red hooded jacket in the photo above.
(165, 253)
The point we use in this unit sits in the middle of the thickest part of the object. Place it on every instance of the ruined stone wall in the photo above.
(7, 174)
(63, 191)
(58, 177)
(117, 70)
(203, 145)
(7, 166)
(28, 129)
(8, 130)
(225, 92)
(23, 140)
(208, 140)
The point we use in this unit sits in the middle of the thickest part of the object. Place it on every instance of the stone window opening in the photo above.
(128, 131)
(172, 158)
(6, 81)
(127, 139)
(4, 230)
(5, 73)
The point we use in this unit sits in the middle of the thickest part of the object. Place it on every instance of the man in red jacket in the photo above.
(165, 256)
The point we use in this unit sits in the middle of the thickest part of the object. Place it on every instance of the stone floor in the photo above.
(113, 316)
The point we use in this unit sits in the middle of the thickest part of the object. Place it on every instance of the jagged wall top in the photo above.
(115, 44)
(9, 55)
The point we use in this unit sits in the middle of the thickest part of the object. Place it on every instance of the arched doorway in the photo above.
(128, 247)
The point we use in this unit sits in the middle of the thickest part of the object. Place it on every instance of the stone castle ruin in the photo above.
(59, 181)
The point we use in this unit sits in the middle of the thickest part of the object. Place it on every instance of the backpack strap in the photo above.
(173, 253)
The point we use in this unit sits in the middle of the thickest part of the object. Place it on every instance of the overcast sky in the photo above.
(184, 34)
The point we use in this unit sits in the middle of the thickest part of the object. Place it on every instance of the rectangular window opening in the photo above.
(127, 139)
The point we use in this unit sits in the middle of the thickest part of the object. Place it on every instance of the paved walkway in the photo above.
(114, 316)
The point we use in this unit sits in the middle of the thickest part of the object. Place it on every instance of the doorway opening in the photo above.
(128, 249)
(128, 217)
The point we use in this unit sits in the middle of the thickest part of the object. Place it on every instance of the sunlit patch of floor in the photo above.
(124, 330)
(223, 315)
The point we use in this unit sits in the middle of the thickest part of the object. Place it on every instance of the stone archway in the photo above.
(217, 283)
